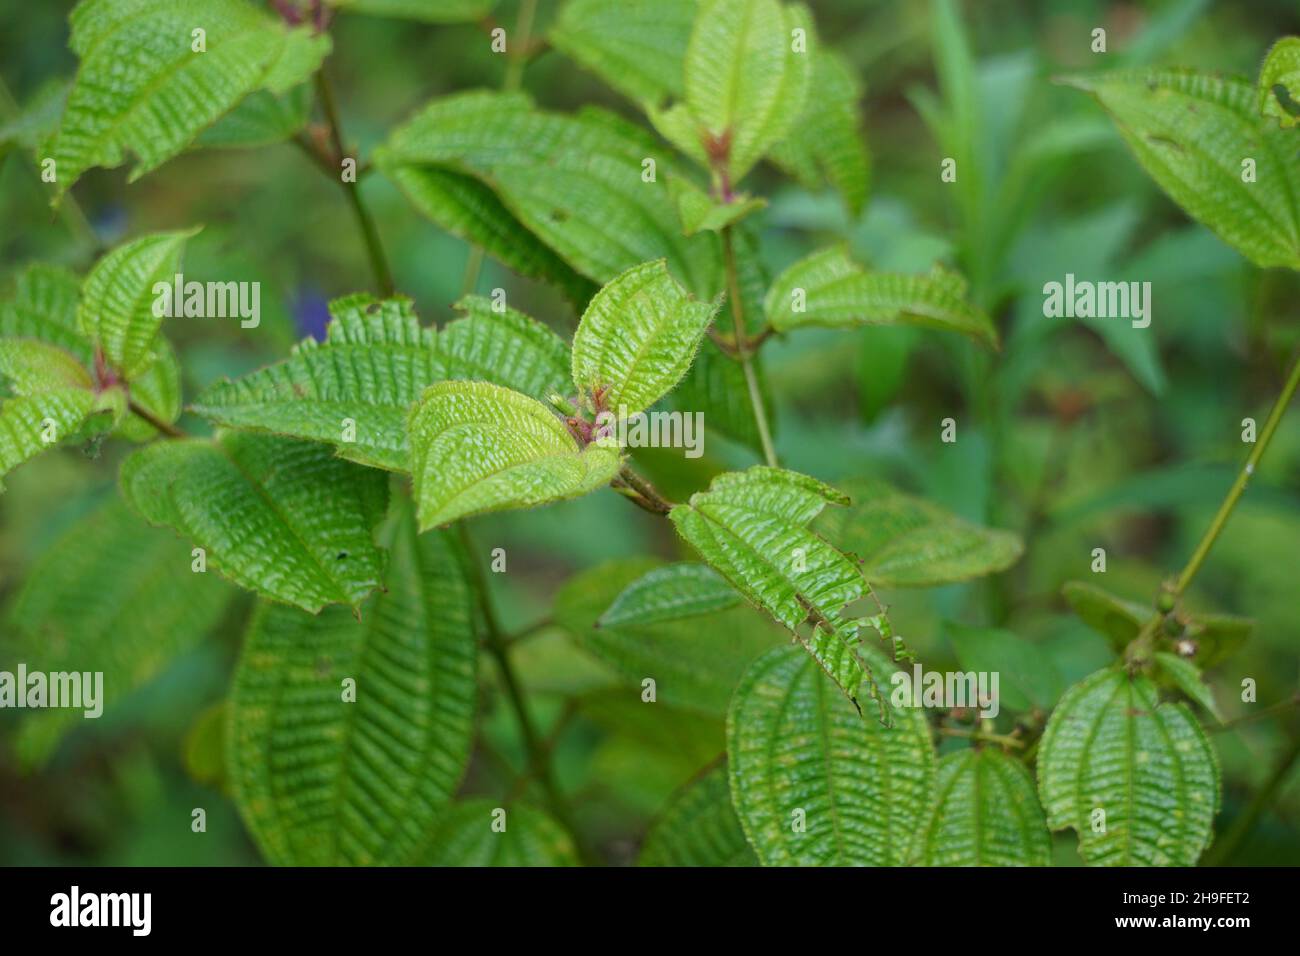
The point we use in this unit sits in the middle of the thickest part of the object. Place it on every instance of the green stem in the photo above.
(743, 352)
(166, 428)
(1241, 827)
(369, 233)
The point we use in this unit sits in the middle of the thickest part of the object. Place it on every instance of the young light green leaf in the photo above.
(111, 595)
(1112, 617)
(477, 447)
(480, 832)
(44, 306)
(669, 593)
(812, 782)
(637, 339)
(1202, 138)
(156, 73)
(1027, 679)
(117, 311)
(281, 517)
(636, 46)
(904, 541)
(430, 11)
(1137, 779)
(347, 737)
(354, 390)
(698, 827)
(506, 348)
(157, 391)
(1279, 82)
(700, 212)
(986, 814)
(1186, 676)
(829, 289)
(747, 72)
(31, 367)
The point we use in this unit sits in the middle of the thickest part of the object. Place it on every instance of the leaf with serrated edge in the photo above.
(986, 813)
(1186, 676)
(44, 306)
(670, 593)
(506, 348)
(698, 827)
(636, 46)
(477, 447)
(465, 836)
(282, 517)
(794, 744)
(323, 781)
(839, 293)
(1110, 745)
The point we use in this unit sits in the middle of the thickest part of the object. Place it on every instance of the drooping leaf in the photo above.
(117, 311)
(1194, 133)
(908, 542)
(745, 83)
(986, 814)
(354, 390)
(1112, 617)
(478, 447)
(1136, 778)
(110, 595)
(282, 517)
(637, 339)
(430, 11)
(328, 772)
(143, 87)
(698, 827)
(1279, 82)
(1186, 676)
(670, 593)
(1027, 678)
(506, 348)
(636, 46)
(469, 834)
(829, 289)
(812, 782)
(262, 119)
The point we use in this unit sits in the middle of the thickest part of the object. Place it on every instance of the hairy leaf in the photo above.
(700, 212)
(465, 836)
(506, 348)
(637, 339)
(1192, 132)
(142, 86)
(812, 782)
(986, 813)
(829, 289)
(31, 367)
(1110, 747)
(281, 517)
(698, 827)
(478, 447)
(44, 306)
(1186, 676)
(1279, 82)
(636, 46)
(908, 542)
(324, 777)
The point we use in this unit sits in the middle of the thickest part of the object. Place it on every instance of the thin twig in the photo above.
(743, 351)
(166, 428)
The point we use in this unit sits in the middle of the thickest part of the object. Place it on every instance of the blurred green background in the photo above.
(1075, 436)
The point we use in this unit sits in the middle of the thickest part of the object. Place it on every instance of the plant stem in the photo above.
(1271, 710)
(648, 496)
(538, 764)
(1244, 824)
(166, 428)
(374, 248)
(743, 349)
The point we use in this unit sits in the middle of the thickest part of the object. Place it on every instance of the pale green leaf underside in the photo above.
(636, 46)
(281, 517)
(477, 447)
(144, 607)
(839, 293)
(698, 827)
(986, 814)
(1191, 132)
(324, 781)
(464, 836)
(1279, 82)
(907, 542)
(794, 743)
(141, 87)
(637, 338)
(1111, 746)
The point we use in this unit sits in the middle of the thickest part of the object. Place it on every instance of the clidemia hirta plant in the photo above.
(338, 484)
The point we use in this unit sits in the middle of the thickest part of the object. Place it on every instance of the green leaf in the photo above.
(323, 776)
(698, 827)
(669, 593)
(32, 367)
(636, 46)
(751, 527)
(1279, 82)
(477, 447)
(904, 541)
(1027, 678)
(1217, 637)
(829, 289)
(700, 212)
(369, 371)
(117, 311)
(575, 182)
(1191, 132)
(986, 814)
(1186, 676)
(506, 348)
(157, 391)
(44, 306)
(1111, 746)
(827, 142)
(1114, 618)
(33, 125)
(113, 595)
(794, 744)
(637, 339)
(465, 836)
(142, 87)
(745, 83)
(430, 11)
(262, 119)
(281, 517)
